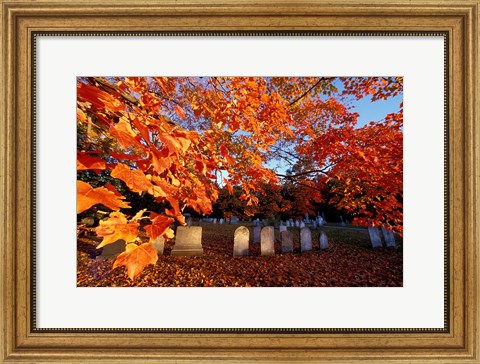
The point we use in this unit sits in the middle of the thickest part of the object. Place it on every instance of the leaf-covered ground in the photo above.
(349, 262)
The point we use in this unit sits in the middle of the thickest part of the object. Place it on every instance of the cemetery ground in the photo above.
(350, 261)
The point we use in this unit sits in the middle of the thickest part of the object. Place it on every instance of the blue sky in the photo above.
(377, 110)
(367, 109)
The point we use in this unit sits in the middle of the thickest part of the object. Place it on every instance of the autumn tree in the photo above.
(178, 139)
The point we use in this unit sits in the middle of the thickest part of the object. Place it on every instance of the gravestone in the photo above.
(112, 250)
(266, 240)
(256, 234)
(188, 241)
(314, 224)
(323, 241)
(389, 238)
(189, 222)
(215, 221)
(287, 241)
(305, 239)
(302, 225)
(297, 223)
(159, 244)
(240, 241)
(88, 221)
(221, 221)
(283, 228)
(375, 237)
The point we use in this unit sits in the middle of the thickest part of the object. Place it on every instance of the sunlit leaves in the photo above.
(136, 258)
(159, 226)
(87, 196)
(81, 115)
(135, 179)
(226, 155)
(86, 162)
(180, 112)
(124, 133)
(99, 99)
(117, 227)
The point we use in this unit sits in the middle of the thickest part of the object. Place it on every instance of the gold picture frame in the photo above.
(20, 342)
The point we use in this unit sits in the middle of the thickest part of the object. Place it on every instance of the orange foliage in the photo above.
(87, 196)
(136, 258)
(171, 137)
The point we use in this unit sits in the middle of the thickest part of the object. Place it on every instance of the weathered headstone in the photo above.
(215, 221)
(287, 241)
(282, 228)
(256, 234)
(159, 244)
(188, 241)
(240, 241)
(221, 221)
(305, 239)
(88, 221)
(323, 241)
(389, 238)
(112, 250)
(266, 240)
(302, 225)
(375, 237)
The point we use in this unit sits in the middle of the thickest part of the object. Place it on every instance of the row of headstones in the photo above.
(319, 221)
(267, 238)
(214, 220)
(376, 240)
(188, 241)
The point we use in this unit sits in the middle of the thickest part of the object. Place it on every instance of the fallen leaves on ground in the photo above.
(345, 264)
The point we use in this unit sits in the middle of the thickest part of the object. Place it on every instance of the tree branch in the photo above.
(293, 176)
(305, 93)
(112, 87)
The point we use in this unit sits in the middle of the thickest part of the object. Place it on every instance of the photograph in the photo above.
(211, 181)
(239, 181)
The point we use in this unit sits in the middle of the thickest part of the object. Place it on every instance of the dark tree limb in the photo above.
(305, 93)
